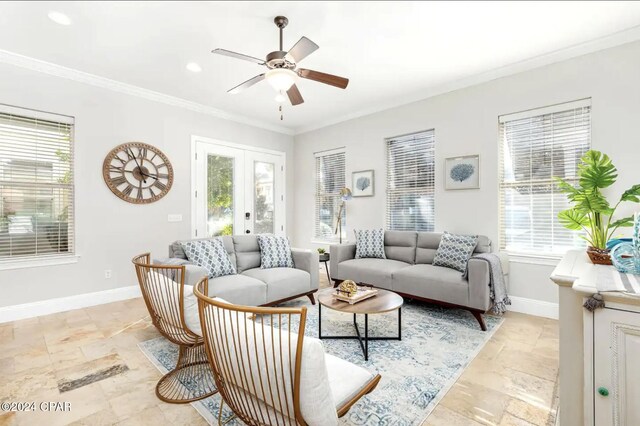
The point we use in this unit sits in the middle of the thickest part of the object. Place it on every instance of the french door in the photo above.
(237, 190)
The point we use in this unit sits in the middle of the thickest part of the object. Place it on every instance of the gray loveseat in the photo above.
(408, 271)
(253, 286)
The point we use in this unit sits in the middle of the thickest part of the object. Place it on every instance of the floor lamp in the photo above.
(345, 195)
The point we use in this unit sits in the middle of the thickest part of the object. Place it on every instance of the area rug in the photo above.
(437, 345)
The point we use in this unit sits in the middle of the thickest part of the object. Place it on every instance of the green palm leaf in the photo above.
(631, 194)
(591, 201)
(573, 219)
(624, 222)
(596, 170)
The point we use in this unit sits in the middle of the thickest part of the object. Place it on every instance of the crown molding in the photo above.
(626, 36)
(38, 65)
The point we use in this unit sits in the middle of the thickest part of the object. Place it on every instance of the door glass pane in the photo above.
(264, 197)
(220, 202)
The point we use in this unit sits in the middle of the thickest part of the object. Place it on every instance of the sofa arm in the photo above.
(193, 274)
(307, 260)
(338, 253)
(479, 284)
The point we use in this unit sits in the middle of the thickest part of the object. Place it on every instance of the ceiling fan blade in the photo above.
(303, 48)
(240, 87)
(332, 80)
(294, 95)
(238, 56)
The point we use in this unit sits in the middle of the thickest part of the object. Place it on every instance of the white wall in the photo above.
(466, 122)
(110, 231)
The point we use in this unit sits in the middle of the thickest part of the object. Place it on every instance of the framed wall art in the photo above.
(362, 183)
(462, 172)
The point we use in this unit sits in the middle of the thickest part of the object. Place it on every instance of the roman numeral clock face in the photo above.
(138, 173)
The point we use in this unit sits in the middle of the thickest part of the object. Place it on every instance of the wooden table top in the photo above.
(384, 301)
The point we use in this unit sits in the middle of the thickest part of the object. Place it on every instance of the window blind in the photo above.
(36, 185)
(330, 179)
(410, 182)
(534, 149)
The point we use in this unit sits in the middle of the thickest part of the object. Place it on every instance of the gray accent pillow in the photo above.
(211, 255)
(275, 252)
(454, 251)
(370, 243)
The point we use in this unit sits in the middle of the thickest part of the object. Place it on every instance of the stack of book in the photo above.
(363, 293)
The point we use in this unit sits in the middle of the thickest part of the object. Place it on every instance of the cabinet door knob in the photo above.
(603, 391)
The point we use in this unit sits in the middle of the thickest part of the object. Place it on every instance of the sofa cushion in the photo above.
(176, 251)
(275, 252)
(432, 282)
(239, 289)
(369, 243)
(247, 252)
(282, 282)
(211, 255)
(400, 245)
(376, 272)
(454, 251)
(427, 245)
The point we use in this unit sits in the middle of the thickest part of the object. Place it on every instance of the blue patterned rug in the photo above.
(437, 345)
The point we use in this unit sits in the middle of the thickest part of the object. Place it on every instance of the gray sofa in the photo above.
(253, 286)
(408, 271)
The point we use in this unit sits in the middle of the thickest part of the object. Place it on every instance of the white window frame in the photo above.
(335, 238)
(41, 260)
(532, 255)
(429, 187)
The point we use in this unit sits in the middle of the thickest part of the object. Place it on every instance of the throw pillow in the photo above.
(211, 255)
(454, 251)
(275, 252)
(370, 243)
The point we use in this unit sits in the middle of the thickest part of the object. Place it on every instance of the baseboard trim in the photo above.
(538, 308)
(62, 304)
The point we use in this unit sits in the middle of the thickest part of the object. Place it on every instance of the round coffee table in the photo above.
(384, 301)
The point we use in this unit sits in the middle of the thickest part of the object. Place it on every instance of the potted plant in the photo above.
(321, 251)
(591, 211)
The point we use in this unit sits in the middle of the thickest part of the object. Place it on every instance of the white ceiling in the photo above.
(392, 52)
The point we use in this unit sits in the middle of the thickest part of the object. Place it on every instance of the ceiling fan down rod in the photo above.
(281, 22)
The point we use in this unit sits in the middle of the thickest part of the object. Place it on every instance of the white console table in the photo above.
(599, 351)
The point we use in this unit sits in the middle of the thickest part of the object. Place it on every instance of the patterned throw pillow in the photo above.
(370, 243)
(454, 251)
(211, 255)
(275, 252)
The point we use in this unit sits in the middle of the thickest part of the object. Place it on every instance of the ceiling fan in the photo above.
(283, 68)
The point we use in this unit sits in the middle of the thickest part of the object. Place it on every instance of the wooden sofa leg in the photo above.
(478, 316)
(313, 299)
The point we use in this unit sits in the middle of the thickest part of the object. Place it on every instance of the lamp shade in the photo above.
(281, 79)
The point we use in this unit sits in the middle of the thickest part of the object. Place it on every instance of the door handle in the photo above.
(247, 232)
(603, 391)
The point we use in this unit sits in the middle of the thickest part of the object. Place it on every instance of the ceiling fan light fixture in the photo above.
(280, 98)
(281, 79)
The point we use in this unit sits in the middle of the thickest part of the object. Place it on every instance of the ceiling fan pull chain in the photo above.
(280, 109)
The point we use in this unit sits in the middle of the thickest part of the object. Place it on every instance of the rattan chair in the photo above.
(270, 376)
(163, 291)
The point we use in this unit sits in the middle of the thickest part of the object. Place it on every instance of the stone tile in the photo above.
(151, 416)
(139, 396)
(182, 414)
(8, 419)
(66, 358)
(77, 336)
(509, 420)
(547, 346)
(26, 385)
(476, 402)
(101, 418)
(89, 372)
(442, 416)
(531, 413)
(7, 367)
(527, 362)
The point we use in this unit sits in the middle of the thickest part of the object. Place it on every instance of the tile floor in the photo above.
(511, 382)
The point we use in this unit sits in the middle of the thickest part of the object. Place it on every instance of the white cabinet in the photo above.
(615, 389)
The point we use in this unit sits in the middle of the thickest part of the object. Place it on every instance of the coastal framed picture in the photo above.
(362, 183)
(462, 172)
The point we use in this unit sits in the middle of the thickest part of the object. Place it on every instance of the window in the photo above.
(535, 147)
(330, 179)
(36, 184)
(410, 182)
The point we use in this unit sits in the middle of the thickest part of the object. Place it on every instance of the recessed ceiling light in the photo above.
(193, 67)
(59, 18)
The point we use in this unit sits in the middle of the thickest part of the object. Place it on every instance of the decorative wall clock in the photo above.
(137, 172)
